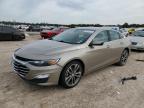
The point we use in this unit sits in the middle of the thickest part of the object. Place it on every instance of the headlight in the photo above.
(44, 63)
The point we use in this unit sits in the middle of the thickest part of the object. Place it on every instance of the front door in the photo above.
(100, 54)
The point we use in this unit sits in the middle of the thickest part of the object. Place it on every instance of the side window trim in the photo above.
(109, 37)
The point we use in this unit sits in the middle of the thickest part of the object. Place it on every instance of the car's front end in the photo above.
(39, 62)
(135, 45)
(36, 71)
(137, 40)
(22, 36)
(19, 35)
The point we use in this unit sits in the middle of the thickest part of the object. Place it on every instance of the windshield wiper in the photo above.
(63, 41)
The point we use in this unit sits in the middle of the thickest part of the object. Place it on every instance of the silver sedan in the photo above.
(65, 58)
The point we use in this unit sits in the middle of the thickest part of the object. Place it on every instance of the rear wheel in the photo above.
(124, 57)
(16, 38)
(71, 75)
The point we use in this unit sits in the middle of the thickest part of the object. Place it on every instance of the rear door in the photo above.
(116, 44)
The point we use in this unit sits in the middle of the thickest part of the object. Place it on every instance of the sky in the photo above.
(73, 11)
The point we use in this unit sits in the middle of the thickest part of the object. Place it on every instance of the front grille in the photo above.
(134, 43)
(21, 69)
(23, 59)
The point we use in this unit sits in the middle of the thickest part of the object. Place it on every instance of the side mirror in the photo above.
(98, 43)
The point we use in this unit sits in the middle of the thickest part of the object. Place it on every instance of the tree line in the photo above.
(125, 25)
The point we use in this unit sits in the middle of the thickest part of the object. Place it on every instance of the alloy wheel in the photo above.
(124, 57)
(73, 74)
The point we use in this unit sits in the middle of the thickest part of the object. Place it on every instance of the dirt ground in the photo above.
(101, 89)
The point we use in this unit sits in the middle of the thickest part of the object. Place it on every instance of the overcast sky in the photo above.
(73, 11)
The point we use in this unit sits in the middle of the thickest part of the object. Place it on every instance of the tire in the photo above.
(15, 38)
(18, 37)
(71, 74)
(123, 58)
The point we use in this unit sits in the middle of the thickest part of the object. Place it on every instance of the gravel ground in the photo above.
(101, 89)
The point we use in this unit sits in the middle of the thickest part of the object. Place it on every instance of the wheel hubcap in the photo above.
(73, 75)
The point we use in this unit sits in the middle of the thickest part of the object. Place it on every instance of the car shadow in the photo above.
(34, 87)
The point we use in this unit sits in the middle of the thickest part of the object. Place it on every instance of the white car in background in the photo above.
(137, 40)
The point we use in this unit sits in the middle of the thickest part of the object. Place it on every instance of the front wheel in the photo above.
(124, 58)
(71, 75)
(17, 38)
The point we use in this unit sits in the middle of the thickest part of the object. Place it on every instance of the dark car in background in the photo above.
(8, 33)
(34, 29)
(50, 33)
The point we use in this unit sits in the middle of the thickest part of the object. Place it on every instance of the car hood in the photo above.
(136, 39)
(44, 49)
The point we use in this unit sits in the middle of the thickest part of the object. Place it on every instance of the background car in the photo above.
(50, 33)
(124, 32)
(22, 27)
(44, 28)
(10, 33)
(137, 40)
(65, 58)
(131, 30)
(34, 29)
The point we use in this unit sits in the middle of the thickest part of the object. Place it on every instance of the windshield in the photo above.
(74, 36)
(139, 34)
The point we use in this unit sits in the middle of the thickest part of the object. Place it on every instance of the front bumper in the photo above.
(48, 75)
(137, 47)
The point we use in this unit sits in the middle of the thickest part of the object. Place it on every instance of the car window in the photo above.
(0, 28)
(114, 35)
(101, 37)
(7, 29)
